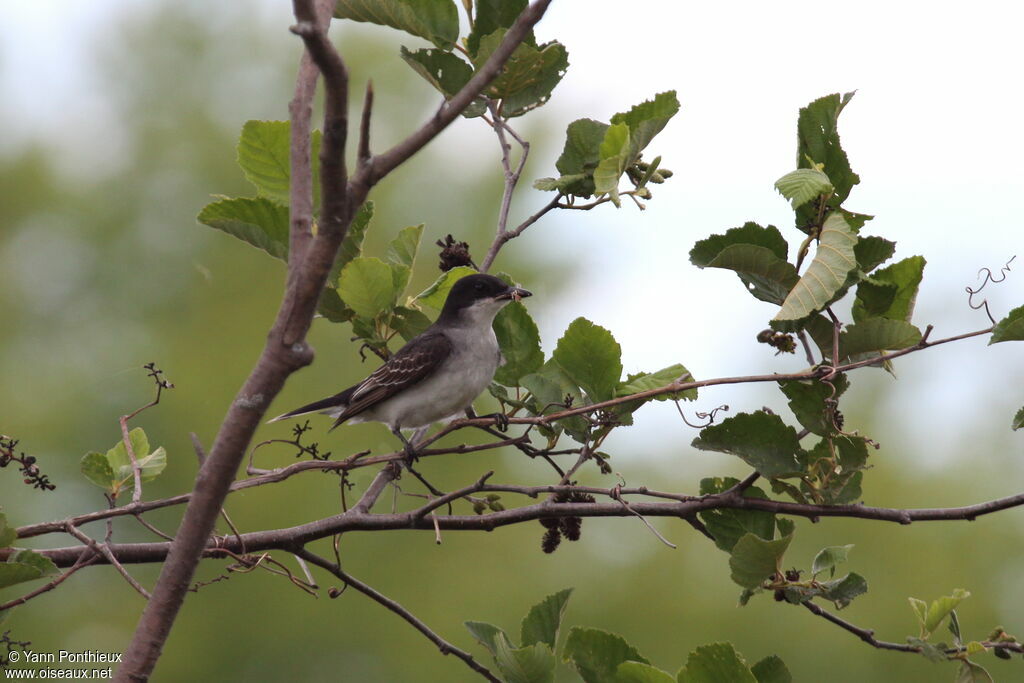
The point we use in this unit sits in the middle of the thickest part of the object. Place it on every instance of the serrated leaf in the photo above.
(1018, 420)
(875, 335)
(41, 563)
(549, 387)
(826, 277)
(402, 249)
(807, 400)
(562, 184)
(920, 608)
(932, 653)
(7, 534)
(150, 464)
(756, 254)
(638, 672)
(890, 292)
(97, 469)
(597, 654)
(436, 294)
(367, 286)
(542, 622)
(941, 607)
(647, 119)
(529, 75)
(761, 440)
(646, 381)
(715, 663)
(435, 20)
(753, 560)
(257, 221)
(408, 322)
(970, 672)
(1010, 328)
(580, 155)
(491, 15)
(828, 558)
(842, 591)
(614, 157)
(486, 634)
(727, 525)
(532, 664)
(771, 669)
(519, 341)
(818, 143)
(263, 154)
(872, 252)
(591, 357)
(803, 185)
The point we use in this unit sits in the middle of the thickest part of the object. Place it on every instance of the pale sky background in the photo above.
(934, 131)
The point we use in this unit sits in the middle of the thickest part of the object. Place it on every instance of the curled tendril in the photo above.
(988, 278)
(709, 417)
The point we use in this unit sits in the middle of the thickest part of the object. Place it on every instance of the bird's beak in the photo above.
(515, 294)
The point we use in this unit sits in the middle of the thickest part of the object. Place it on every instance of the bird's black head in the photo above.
(479, 296)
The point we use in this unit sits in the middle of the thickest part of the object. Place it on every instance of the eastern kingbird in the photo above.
(438, 373)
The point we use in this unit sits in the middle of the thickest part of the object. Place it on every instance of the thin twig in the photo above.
(443, 645)
(104, 549)
(87, 557)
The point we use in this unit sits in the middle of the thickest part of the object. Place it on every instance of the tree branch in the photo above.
(443, 645)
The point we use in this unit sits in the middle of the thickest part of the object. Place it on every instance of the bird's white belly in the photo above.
(447, 392)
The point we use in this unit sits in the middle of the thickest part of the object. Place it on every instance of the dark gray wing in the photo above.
(412, 364)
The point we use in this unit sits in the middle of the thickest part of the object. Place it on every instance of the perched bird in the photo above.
(438, 374)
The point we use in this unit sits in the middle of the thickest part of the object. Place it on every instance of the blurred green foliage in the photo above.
(101, 272)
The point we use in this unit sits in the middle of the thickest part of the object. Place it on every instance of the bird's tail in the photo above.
(324, 405)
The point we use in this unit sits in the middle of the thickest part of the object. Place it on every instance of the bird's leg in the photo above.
(500, 419)
(410, 450)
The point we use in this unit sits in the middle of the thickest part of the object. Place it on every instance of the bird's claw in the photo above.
(500, 421)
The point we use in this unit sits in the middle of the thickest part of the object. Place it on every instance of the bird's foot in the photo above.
(500, 421)
(411, 456)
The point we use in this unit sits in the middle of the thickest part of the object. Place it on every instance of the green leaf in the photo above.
(352, 245)
(491, 15)
(447, 73)
(646, 381)
(562, 184)
(729, 525)
(954, 628)
(933, 653)
(408, 322)
(542, 623)
(402, 249)
(1010, 328)
(528, 77)
(715, 663)
(263, 154)
(486, 634)
(756, 254)
(754, 560)
(771, 669)
(920, 608)
(970, 672)
(872, 252)
(435, 20)
(803, 185)
(549, 387)
(367, 286)
(843, 591)
(256, 221)
(591, 357)
(890, 292)
(761, 440)
(597, 654)
(941, 607)
(818, 143)
(1018, 420)
(638, 672)
(614, 157)
(436, 294)
(97, 469)
(826, 277)
(7, 534)
(519, 342)
(25, 565)
(150, 464)
(876, 335)
(828, 558)
(807, 400)
(647, 119)
(531, 664)
(581, 155)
